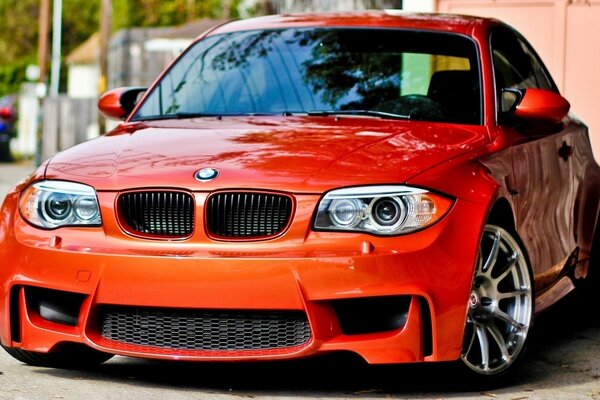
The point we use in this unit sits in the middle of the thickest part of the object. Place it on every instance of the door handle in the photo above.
(565, 151)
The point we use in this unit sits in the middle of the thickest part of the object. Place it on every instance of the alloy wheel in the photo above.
(500, 305)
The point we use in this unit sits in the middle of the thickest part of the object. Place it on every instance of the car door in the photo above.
(545, 186)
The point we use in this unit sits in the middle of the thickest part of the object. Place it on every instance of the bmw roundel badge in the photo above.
(206, 174)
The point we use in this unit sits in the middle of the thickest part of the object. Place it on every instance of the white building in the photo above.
(84, 69)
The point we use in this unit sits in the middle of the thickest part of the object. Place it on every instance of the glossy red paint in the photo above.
(542, 104)
(487, 172)
(379, 19)
(294, 154)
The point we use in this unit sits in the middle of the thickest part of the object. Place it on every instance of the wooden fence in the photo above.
(67, 122)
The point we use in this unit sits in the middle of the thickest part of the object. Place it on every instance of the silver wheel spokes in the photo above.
(500, 305)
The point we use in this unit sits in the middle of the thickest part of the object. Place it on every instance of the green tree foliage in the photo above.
(11, 76)
(81, 18)
(129, 13)
(19, 26)
(19, 35)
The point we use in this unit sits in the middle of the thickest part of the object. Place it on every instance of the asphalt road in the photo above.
(10, 173)
(563, 362)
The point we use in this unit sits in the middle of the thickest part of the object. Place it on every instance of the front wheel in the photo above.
(500, 309)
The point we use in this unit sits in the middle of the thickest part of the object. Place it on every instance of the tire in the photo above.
(587, 289)
(5, 155)
(67, 356)
(500, 309)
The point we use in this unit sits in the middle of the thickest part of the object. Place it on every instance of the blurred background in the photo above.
(58, 56)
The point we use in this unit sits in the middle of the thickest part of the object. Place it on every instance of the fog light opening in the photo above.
(54, 305)
(372, 314)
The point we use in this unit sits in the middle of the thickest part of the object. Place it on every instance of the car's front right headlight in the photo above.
(380, 210)
(54, 204)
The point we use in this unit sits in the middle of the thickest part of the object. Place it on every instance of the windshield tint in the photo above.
(418, 75)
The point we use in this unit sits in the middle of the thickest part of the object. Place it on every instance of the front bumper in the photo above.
(311, 272)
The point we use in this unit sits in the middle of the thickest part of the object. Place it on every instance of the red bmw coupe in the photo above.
(406, 187)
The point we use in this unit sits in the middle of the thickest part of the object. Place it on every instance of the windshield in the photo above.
(379, 72)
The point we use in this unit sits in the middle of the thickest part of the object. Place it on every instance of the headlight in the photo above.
(52, 204)
(381, 210)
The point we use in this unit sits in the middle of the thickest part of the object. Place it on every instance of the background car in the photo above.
(8, 118)
(409, 188)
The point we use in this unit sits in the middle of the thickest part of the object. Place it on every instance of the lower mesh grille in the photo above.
(204, 330)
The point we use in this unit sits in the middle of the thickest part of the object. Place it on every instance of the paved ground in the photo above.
(10, 173)
(563, 363)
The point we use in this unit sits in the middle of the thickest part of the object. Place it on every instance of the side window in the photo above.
(516, 66)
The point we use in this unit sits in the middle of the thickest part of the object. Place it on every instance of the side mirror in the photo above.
(534, 104)
(119, 103)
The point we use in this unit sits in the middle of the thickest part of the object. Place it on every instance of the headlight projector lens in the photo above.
(388, 211)
(57, 206)
(346, 212)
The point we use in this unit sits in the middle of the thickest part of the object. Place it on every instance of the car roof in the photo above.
(381, 19)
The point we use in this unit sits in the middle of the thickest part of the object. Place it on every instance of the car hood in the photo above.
(295, 154)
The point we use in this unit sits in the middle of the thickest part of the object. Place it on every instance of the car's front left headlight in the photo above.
(380, 210)
(54, 204)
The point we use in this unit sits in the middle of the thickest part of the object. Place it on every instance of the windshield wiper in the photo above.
(179, 115)
(368, 113)
(324, 113)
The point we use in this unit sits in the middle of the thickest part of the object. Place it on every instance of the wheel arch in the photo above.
(593, 269)
(587, 212)
(502, 214)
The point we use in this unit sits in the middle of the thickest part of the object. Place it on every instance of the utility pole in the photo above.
(226, 6)
(105, 28)
(44, 25)
(191, 5)
(56, 46)
(43, 39)
(267, 7)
